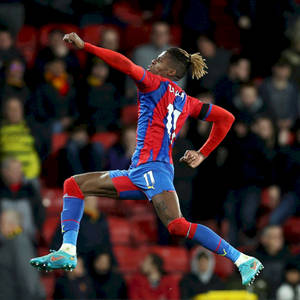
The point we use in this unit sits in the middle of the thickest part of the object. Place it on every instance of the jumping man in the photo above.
(163, 109)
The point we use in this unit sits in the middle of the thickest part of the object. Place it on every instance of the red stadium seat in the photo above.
(108, 205)
(292, 230)
(58, 141)
(26, 42)
(93, 33)
(129, 114)
(176, 259)
(129, 258)
(49, 228)
(107, 139)
(136, 35)
(223, 267)
(120, 231)
(144, 228)
(46, 29)
(176, 35)
(52, 200)
(49, 283)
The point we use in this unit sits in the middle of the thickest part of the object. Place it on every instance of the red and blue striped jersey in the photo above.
(163, 107)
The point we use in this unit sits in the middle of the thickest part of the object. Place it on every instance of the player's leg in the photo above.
(167, 207)
(75, 189)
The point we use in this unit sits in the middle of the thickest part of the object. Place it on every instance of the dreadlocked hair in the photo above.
(182, 61)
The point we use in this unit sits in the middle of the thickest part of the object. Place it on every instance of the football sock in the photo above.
(73, 206)
(204, 236)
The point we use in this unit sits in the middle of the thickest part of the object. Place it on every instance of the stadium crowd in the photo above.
(64, 112)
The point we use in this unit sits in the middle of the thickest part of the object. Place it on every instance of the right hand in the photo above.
(73, 38)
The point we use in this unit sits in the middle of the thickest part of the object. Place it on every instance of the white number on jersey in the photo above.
(172, 119)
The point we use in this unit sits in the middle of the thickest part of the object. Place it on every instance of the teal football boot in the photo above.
(55, 260)
(249, 270)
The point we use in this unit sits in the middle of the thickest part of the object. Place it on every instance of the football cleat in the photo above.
(55, 260)
(249, 270)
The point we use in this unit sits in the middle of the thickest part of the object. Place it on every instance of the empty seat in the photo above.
(129, 115)
(176, 259)
(107, 139)
(292, 230)
(49, 228)
(59, 140)
(223, 267)
(52, 200)
(119, 229)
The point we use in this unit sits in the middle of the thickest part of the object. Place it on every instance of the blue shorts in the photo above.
(144, 181)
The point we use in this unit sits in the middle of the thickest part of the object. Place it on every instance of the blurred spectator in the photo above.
(119, 156)
(93, 235)
(56, 49)
(54, 101)
(144, 54)
(217, 61)
(18, 279)
(99, 101)
(292, 56)
(290, 289)
(80, 155)
(250, 170)
(21, 196)
(12, 15)
(228, 86)
(247, 104)
(281, 96)
(75, 285)
(273, 252)
(110, 39)
(201, 279)
(7, 50)
(14, 83)
(22, 138)
(153, 283)
(108, 283)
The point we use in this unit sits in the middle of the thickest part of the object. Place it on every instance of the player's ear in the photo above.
(171, 72)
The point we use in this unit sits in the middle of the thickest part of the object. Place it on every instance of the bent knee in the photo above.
(72, 188)
(181, 227)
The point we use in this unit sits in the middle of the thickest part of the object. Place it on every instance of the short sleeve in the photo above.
(149, 82)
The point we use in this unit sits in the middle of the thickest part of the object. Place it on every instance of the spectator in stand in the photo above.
(143, 55)
(80, 155)
(75, 285)
(54, 102)
(119, 156)
(217, 61)
(21, 282)
(273, 252)
(56, 49)
(110, 39)
(250, 170)
(21, 196)
(7, 50)
(228, 86)
(247, 104)
(201, 279)
(292, 56)
(153, 283)
(94, 233)
(108, 283)
(290, 289)
(22, 139)
(100, 101)
(281, 96)
(14, 83)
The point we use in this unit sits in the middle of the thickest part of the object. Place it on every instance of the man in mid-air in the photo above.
(163, 109)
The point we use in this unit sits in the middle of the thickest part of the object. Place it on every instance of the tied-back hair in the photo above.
(182, 61)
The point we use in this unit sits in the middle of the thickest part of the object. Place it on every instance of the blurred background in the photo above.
(65, 112)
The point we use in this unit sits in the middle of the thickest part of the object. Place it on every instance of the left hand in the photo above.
(192, 158)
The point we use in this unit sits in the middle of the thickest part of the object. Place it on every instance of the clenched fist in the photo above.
(192, 158)
(74, 39)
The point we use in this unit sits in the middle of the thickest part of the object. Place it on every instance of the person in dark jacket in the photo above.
(21, 196)
(109, 284)
(201, 279)
(75, 285)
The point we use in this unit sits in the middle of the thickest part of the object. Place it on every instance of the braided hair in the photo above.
(182, 61)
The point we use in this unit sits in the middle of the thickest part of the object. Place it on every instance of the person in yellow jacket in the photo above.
(17, 140)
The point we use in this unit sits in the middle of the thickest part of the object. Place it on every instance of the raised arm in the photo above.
(112, 58)
(222, 122)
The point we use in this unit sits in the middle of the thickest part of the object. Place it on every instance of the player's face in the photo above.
(160, 65)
